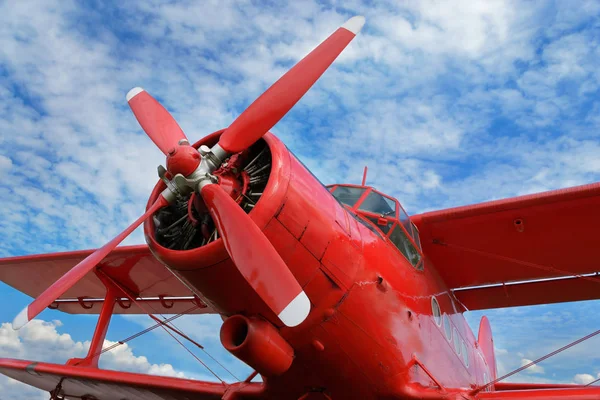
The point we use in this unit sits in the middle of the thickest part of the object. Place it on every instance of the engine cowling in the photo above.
(195, 252)
(307, 226)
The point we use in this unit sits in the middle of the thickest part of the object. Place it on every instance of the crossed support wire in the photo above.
(114, 292)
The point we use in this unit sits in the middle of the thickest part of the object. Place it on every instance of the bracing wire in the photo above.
(140, 333)
(164, 325)
(591, 335)
(592, 382)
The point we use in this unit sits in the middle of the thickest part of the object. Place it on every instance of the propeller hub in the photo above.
(182, 159)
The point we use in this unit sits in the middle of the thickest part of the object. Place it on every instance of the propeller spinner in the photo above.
(250, 250)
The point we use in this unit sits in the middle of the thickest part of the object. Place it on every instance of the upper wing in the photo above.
(506, 242)
(133, 267)
(93, 383)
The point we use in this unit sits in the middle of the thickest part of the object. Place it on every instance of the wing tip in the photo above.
(355, 24)
(21, 319)
(296, 311)
(133, 92)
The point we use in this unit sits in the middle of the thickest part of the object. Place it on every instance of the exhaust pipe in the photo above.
(257, 343)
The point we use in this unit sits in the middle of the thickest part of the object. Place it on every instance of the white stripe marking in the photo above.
(20, 319)
(294, 313)
(133, 92)
(354, 24)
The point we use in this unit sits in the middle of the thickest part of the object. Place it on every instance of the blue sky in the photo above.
(448, 103)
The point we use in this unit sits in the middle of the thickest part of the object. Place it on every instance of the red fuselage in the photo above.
(371, 332)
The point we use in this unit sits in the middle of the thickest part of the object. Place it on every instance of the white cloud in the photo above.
(5, 164)
(584, 379)
(533, 369)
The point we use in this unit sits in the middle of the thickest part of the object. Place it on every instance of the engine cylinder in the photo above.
(257, 343)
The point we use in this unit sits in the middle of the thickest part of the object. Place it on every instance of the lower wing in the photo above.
(91, 383)
(571, 393)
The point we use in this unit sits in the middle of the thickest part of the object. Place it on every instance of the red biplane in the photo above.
(327, 292)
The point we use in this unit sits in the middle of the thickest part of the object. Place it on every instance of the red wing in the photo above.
(134, 267)
(547, 235)
(581, 393)
(80, 382)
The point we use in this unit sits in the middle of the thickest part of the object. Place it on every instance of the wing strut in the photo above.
(165, 324)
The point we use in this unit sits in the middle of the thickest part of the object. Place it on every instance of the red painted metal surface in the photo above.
(93, 355)
(253, 254)
(364, 178)
(258, 344)
(156, 121)
(530, 293)
(105, 384)
(132, 266)
(585, 393)
(182, 159)
(371, 308)
(557, 237)
(486, 344)
(500, 386)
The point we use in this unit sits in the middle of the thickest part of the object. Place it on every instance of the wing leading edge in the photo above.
(78, 382)
(527, 250)
(133, 267)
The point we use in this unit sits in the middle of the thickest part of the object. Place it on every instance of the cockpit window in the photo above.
(404, 244)
(405, 221)
(378, 204)
(384, 216)
(416, 235)
(348, 195)
(365, 223)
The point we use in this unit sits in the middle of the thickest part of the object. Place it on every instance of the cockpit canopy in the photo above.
(384, 215)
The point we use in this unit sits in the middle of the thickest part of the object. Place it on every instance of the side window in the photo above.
(456, 341)
(404, 244)
(437, 313)
(465, 353)
(447, 327)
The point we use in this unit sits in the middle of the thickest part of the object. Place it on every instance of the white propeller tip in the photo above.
(295, 312)
(20, 320)
(133, 92)
(354, 24)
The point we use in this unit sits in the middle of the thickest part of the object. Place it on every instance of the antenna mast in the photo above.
(364, 176)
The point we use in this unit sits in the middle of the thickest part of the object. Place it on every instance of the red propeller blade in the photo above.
(155, 120)
(256, 258)
(69, 279)
(273, 104)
